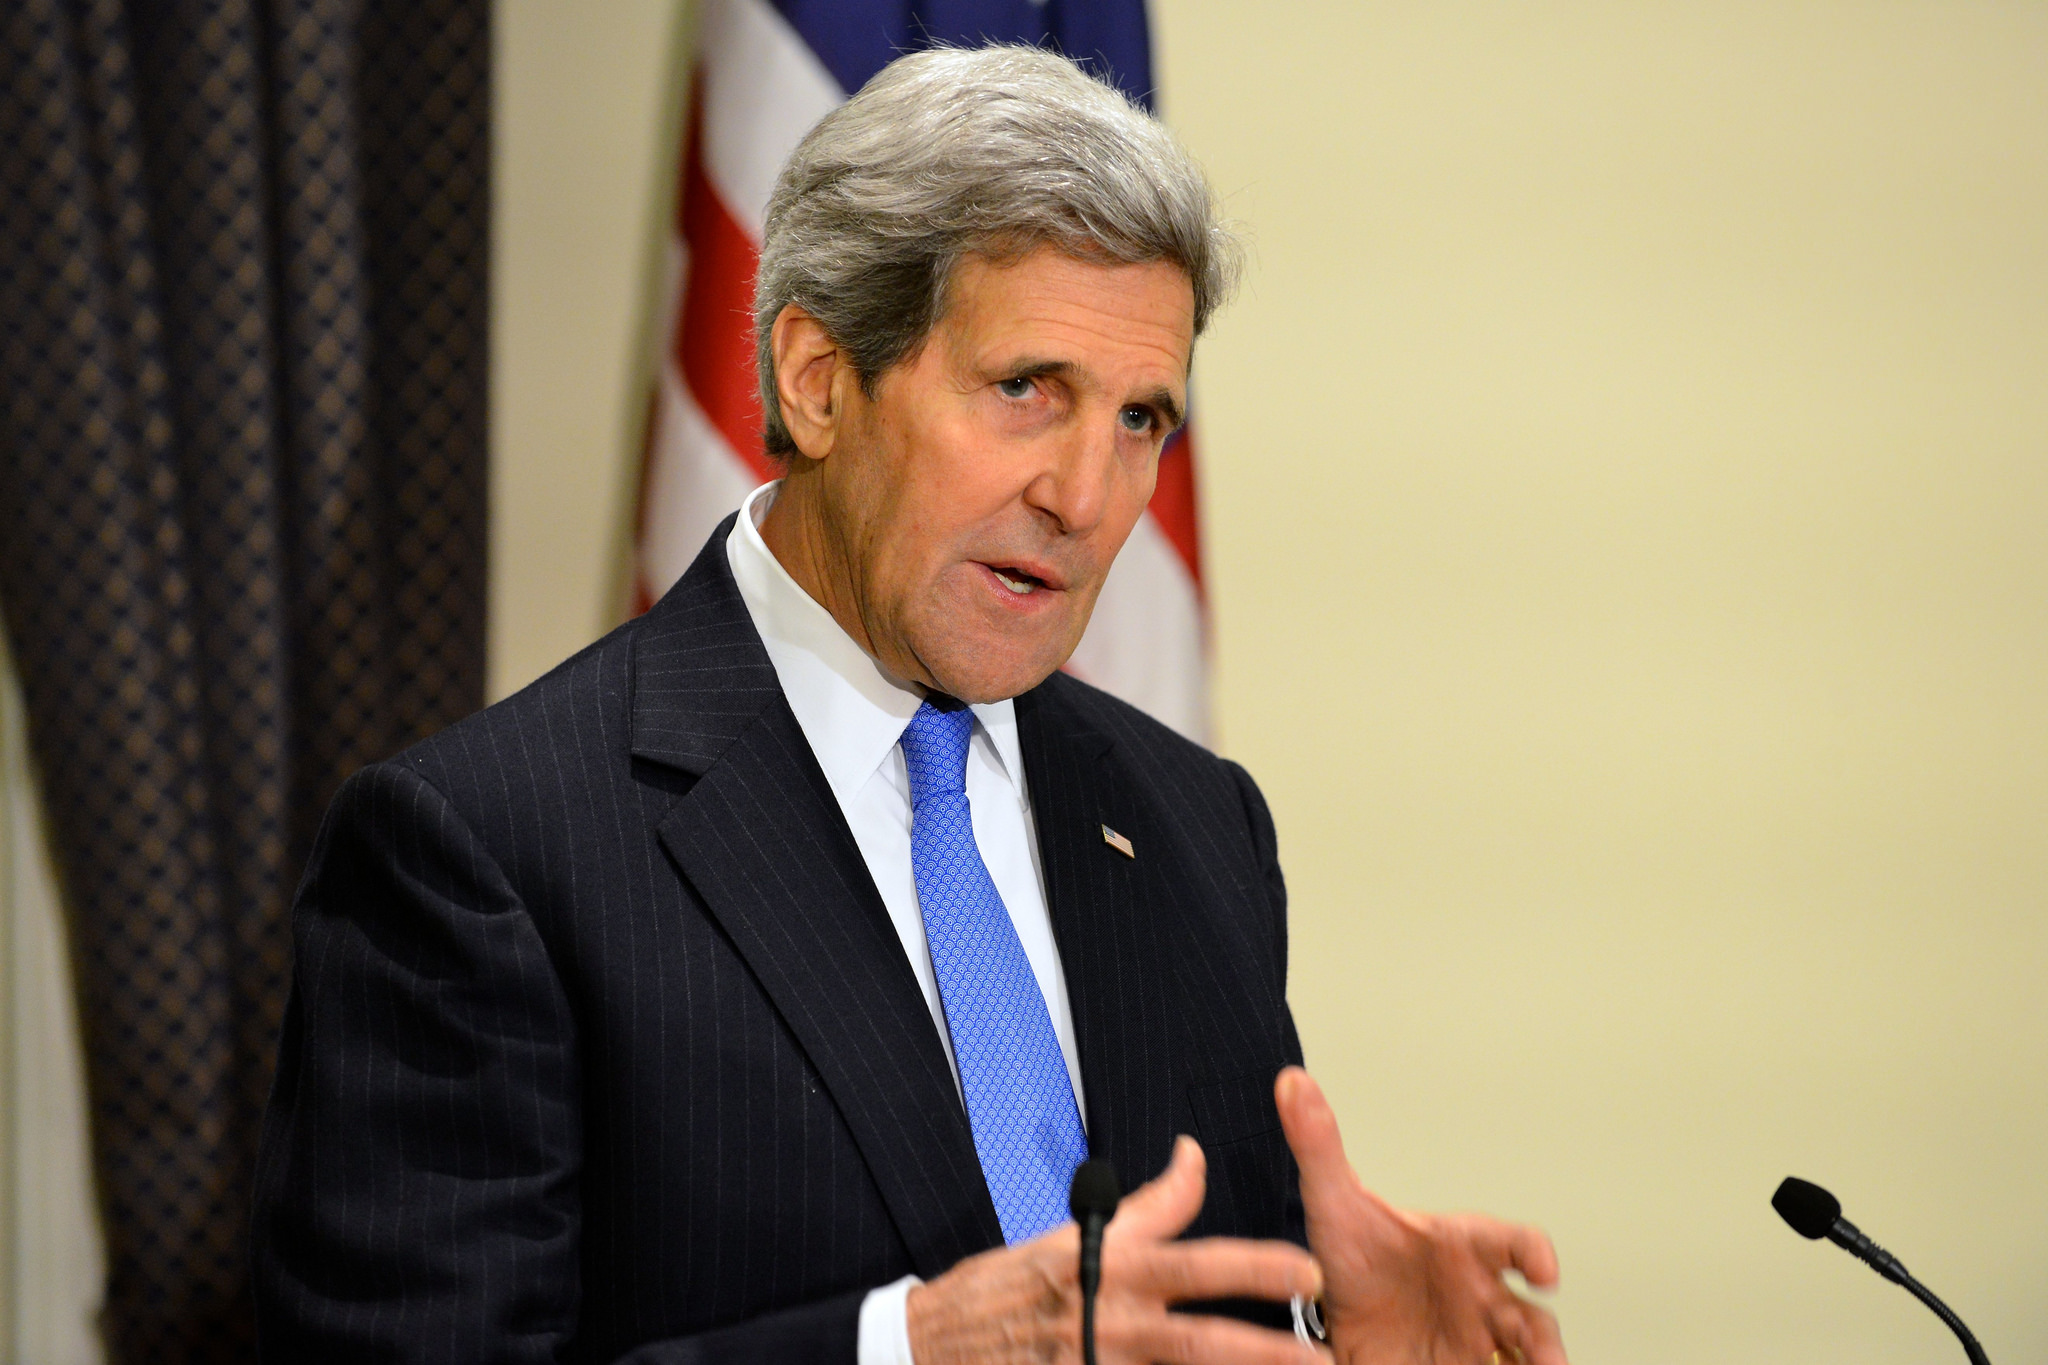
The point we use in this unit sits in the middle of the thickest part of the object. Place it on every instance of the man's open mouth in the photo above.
(1016, 580)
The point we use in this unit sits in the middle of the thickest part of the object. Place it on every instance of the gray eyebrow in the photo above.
(1163, 400)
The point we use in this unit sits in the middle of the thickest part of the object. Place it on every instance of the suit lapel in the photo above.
(764, 843)
(1115, 944)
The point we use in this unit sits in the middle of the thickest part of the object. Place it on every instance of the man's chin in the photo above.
(992, 674)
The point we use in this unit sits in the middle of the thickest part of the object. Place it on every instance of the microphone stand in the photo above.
(1942, 1311)
(1092, 1199)
(1853, 1240)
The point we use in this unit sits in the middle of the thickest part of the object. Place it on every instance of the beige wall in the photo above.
(1625, 476)
(52, 1262)
(587, 102)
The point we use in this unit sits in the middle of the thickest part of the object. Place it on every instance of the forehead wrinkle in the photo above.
(989, 338)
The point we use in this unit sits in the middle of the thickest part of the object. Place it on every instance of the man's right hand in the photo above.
(1023, 1303)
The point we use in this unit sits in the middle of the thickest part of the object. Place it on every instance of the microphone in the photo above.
(1092, 1199)
(1814, 1214)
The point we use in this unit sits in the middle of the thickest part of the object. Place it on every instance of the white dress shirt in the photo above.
(853, 712)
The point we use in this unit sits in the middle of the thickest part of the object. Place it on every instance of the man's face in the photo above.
(978, 499)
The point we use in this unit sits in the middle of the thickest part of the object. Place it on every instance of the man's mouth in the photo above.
(1016, 580)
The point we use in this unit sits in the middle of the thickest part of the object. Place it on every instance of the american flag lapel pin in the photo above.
(1118, 842)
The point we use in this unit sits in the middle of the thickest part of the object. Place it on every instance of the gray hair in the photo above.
(953, 152)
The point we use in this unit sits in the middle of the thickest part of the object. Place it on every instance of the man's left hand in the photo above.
(1405, 1288)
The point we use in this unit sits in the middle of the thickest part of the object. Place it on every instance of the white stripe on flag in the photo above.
(763, 90)
(1145, 641)
(693, 480)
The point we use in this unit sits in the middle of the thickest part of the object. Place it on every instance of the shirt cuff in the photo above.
(885, 1324)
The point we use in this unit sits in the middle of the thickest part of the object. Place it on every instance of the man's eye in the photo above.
(1136, 420)
(1014, 388)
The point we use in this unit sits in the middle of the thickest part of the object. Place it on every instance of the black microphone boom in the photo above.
(1092, 1199)
(1814, 1214)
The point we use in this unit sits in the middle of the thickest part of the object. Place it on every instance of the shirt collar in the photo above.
(850, 708)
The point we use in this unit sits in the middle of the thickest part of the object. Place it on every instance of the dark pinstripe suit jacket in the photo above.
(601, 1043)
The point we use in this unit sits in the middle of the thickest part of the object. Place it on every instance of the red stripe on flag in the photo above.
(642, 593)
(715, 339)
(1173, 501)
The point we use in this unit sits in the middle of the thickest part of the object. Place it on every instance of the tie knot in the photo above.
(935, 751)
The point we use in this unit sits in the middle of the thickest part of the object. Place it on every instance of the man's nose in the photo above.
(1080, 472)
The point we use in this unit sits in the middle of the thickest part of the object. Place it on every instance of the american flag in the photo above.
(766, 71)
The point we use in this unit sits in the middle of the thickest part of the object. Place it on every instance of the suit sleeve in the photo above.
(1267, 843)
(1266, 840)
(416, 1188)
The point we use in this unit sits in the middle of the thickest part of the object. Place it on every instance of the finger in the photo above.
(1215, 1268)
(1197, 1339)
(1512, 1246)
(1311, 1130)
(1531, 1330)
(1157, 1210)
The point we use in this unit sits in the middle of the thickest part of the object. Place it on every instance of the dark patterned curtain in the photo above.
(242, 312)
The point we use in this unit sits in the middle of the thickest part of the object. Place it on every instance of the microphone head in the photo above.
(1095, 1190)
(1810, 1210)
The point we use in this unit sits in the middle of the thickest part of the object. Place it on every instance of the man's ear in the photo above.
(809, 371)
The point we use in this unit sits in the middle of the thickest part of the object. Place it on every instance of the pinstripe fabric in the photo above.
(601, 1045)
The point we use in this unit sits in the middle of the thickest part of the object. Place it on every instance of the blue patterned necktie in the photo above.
(1020, 1104)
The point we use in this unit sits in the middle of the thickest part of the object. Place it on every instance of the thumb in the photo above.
(1157, 1210)
(1311, 1130)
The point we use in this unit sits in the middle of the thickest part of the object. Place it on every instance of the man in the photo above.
(751, 986)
